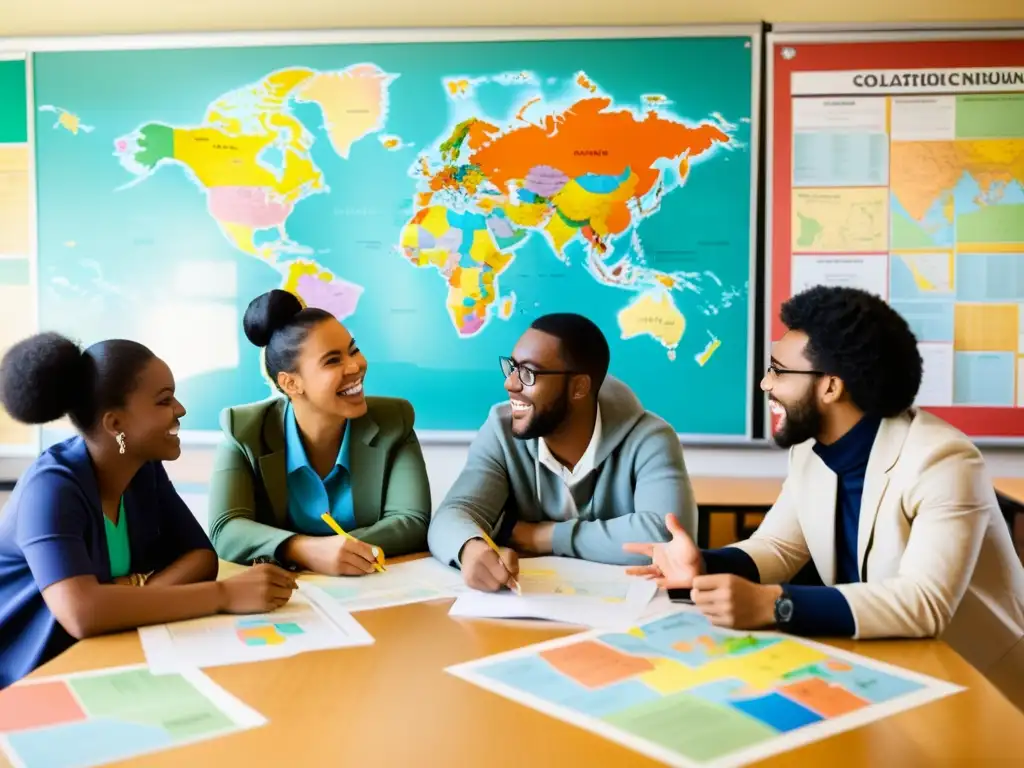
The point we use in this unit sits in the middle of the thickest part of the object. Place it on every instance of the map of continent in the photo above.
(434, 197)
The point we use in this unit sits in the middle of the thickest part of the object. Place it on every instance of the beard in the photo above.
(801, 423)
(543, 423)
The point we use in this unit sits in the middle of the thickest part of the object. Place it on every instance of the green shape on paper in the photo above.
(999, 223)
(168, 701)
(290, 628)
(809, 231)
(907, 234)
(693, 727)
(13, 97)
(990, 116)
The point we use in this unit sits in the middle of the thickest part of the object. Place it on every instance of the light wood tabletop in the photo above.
(1011, 487)
(392, 704)
(760, 492)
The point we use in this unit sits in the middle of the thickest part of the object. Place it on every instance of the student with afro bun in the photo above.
(892, 506)
(94, 538)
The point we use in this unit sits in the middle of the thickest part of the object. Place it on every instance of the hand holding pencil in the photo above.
(487, 567)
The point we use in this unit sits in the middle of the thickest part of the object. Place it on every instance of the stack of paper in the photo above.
(565, 590)
(413, 582)
(301, 625)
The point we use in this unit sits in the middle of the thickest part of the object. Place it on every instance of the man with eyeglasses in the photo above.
(891, 505)
(570, 465)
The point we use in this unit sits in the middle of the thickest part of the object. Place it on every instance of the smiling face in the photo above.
(540, 408)
(329, 372)
(792, 385)
(150, 416)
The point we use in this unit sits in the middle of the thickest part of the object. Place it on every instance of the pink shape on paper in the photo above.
(250, 206)
(339, 297)
(36, 705)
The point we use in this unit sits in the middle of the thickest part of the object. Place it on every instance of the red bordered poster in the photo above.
(896, 164)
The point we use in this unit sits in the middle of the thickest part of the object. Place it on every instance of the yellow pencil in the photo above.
(492, 545)
(379, 565)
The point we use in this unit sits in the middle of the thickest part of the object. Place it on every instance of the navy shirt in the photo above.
(821, 610)
(52, 529)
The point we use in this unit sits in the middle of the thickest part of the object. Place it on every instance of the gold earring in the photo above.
(120, 442)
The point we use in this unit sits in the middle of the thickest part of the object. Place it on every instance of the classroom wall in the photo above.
(68, 17)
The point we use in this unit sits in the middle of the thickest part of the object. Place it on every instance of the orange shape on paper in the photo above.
(35, 705)
(824, 698)
(595, 664)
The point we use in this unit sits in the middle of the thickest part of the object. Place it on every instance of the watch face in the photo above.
(783, 610)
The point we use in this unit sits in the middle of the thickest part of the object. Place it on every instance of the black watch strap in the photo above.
(783, 609)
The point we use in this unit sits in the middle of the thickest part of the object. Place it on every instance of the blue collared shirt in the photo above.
(309, 496)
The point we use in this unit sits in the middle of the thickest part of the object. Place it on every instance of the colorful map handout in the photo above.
(94, 718)
(687, 693)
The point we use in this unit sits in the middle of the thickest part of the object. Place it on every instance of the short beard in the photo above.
(803, 422)
(544, 423)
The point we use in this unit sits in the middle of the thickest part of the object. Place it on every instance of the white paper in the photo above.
(696, 679)
(416, 581)
(300, 626)
(565, 590)
(923, 118)
(869, 272)
(937, 375)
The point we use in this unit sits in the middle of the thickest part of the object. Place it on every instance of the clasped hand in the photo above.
(727, 600)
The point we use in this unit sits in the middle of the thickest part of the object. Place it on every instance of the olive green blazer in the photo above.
(248, 514)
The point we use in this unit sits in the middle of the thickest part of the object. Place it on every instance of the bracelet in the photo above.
(139, 579)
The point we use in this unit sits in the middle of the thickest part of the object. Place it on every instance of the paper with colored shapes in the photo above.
(416, 581)
(566, 590)
(300, 626)
(682, 691)
(94, 718)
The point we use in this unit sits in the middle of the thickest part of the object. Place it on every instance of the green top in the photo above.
(117, 544)
(249, 489)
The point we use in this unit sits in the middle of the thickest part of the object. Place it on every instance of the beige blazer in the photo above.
(935, 556)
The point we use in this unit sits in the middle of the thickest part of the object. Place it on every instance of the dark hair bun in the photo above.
(41, 377)
(268, 313)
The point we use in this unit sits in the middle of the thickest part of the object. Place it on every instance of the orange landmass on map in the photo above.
(922, 172)
(587, 139)
(595, 664)
(820, 696)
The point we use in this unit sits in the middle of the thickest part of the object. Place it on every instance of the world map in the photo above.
(537, 181)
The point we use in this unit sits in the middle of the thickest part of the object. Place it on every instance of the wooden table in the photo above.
(391, 704)
(738, 496)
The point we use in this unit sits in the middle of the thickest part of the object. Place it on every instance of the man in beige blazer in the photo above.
(892, 506)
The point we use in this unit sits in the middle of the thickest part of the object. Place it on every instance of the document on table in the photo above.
(566, 590)
(301, 625)
(416, 581)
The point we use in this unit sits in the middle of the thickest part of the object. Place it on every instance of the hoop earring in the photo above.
(120, 442)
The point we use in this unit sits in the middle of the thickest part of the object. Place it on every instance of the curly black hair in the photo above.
(858, 337)
(46, 376)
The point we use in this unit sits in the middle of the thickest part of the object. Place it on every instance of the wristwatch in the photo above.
(783, 609)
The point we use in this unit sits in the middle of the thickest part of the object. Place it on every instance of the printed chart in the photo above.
(566, 590)
(93, 718)
(898, 167)
(413, 582)
(298, 627)
(682, 691)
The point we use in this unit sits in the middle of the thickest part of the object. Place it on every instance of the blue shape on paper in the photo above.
(989, 277)
(247, 623)
(840, 159)
(776, 711)
(983, 378)
(870, 684)
(929, 320)
(92, 742)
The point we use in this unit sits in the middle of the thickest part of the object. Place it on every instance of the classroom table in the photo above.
(392, 704)
(738, 496)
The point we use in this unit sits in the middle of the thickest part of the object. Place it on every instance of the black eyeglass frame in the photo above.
(510, 366)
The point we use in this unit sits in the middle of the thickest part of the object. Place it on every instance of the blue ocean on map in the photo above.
(437, 197)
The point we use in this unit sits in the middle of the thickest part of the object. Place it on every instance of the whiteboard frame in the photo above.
(180, 41)
(796, 34)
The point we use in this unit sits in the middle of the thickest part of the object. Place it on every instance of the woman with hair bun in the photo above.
(322, 448)
(95, 517)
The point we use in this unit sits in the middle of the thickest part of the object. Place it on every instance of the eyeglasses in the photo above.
(528, 376)
(778, 370)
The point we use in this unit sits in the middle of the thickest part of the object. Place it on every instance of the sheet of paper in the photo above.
(565, 590)
(300, 626)
(95, 718)
(679, 690)
(416, 581)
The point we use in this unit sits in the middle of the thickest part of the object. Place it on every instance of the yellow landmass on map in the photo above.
(923, 172)
(932, 272)
(576, 203)
(836, 220)
(354, 102)
(655, 314)
(761, 669)
(705, 354)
